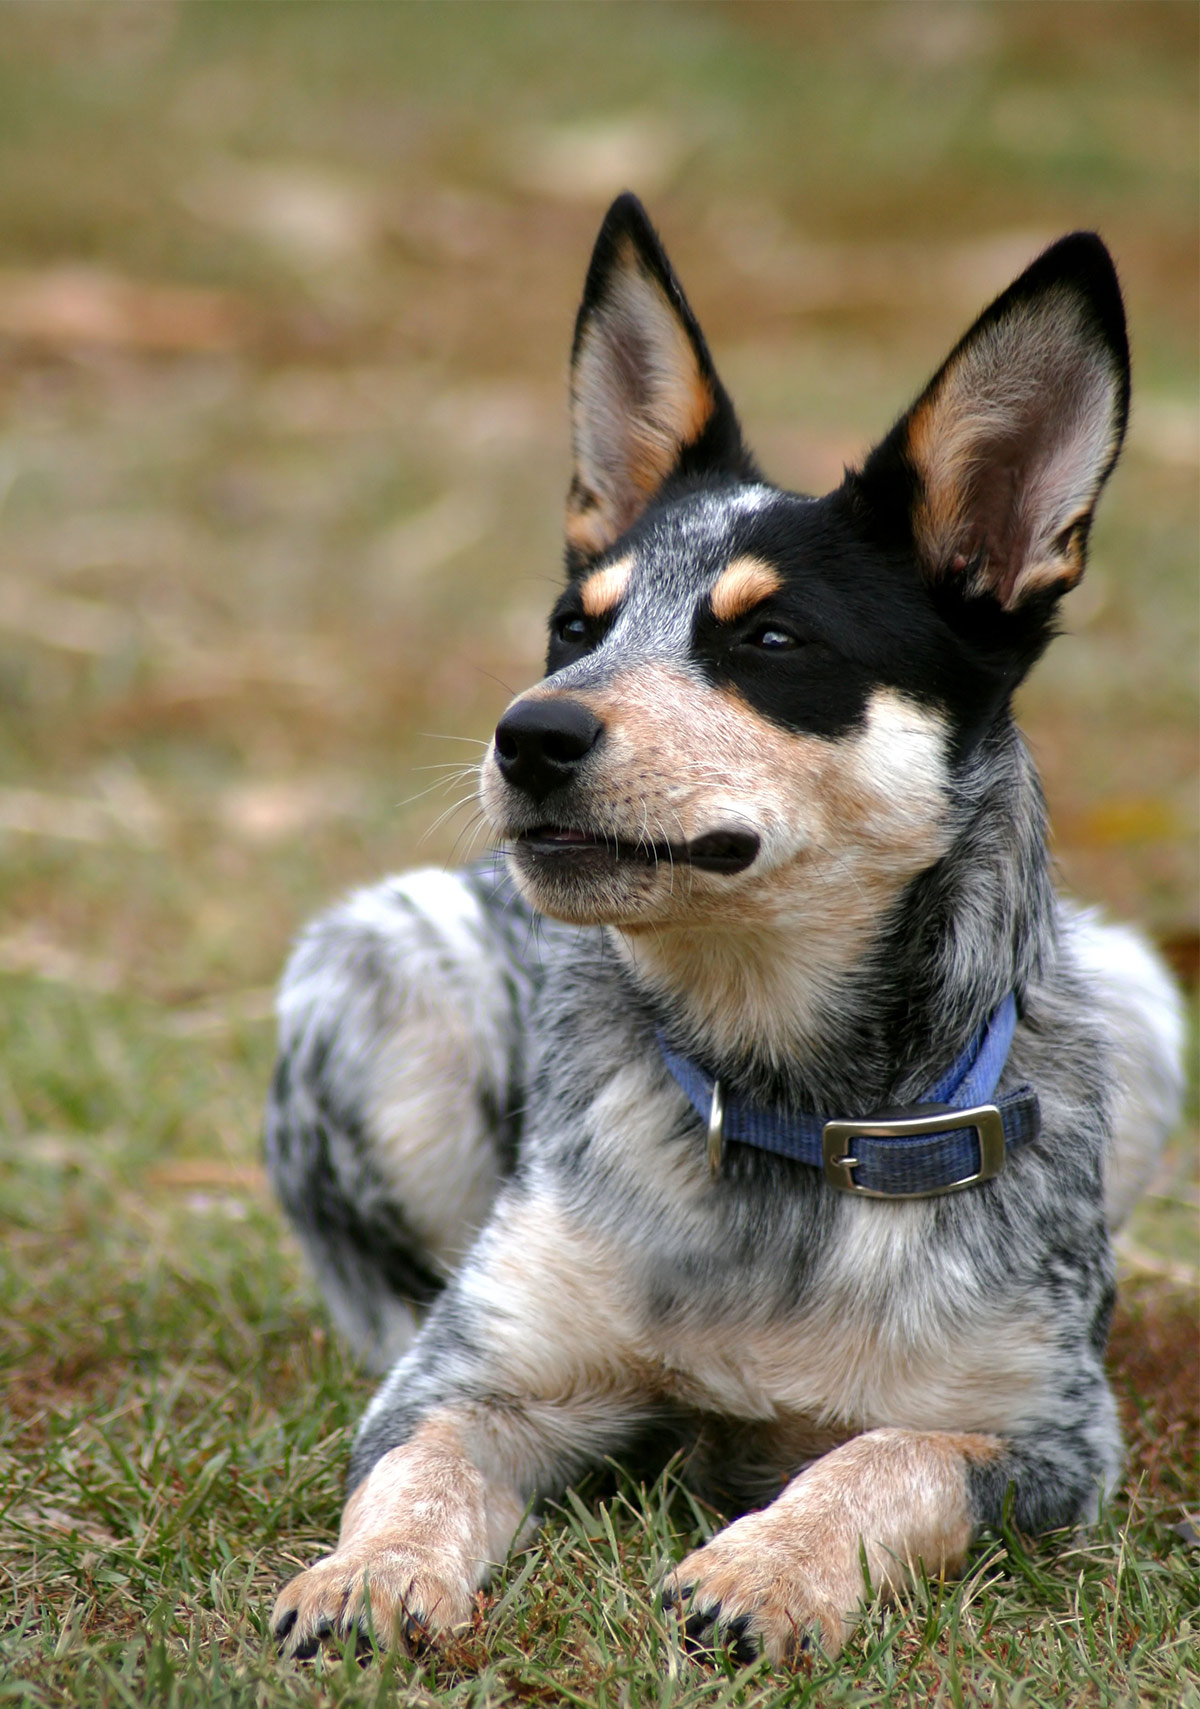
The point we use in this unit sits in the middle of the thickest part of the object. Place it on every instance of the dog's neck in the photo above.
(855, 1006)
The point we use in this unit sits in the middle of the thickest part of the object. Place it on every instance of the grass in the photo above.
(174, 1441)
(176, 1430)
(284, 303)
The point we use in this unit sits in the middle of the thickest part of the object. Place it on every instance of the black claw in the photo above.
(705, 1632)
(742, 1644)
(698, 1628)
(674, 1595)
(284, 1625)
(307, 1650)
(323, 1628)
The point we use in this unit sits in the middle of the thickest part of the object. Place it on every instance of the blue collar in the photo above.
(957, 1136)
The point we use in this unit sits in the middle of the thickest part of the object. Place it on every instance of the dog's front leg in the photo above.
(521, 1378)
(775, 1578)
(434, 1516)
(418, 1537)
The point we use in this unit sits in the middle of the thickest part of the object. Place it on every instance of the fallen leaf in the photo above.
(221, 1014)
(38, 1517)
(1166, 430)
(88, 626)
(35, 813)
(815, 275)
(268, 811)
(590, 160)
(1131, 819)
(30, 952)
(310, 213)
(1182, 953)
(67, 306)
(413, 549)
(1135, 1257)
(188, 1174)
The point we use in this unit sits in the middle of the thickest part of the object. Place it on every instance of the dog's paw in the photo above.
(754, 1591)
(386, 1592)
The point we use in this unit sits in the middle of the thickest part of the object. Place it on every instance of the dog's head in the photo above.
(750, 693)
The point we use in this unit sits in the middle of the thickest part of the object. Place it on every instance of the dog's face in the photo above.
(756, 701)
(717, 726)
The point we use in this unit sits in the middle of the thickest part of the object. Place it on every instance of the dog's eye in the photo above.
(572, 636)
(771, 639)
(574, 631)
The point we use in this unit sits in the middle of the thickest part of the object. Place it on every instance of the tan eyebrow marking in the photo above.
(742, 585)
(603, 588)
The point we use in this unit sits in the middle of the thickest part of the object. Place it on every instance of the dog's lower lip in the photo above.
(726, 851)
(723, 851)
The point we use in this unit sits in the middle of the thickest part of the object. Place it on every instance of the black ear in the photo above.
(646, 403)
(1002, 458)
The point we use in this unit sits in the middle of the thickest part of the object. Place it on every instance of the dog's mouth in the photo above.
(723, 851)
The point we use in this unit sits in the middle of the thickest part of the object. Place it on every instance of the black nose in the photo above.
(539, 743)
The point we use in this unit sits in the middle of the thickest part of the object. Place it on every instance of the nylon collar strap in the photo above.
(956, 1137)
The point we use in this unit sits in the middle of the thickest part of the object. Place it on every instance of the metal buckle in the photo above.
(985, 1119)
(716, 1130)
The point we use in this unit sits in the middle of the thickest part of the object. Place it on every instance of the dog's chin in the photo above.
(590, 879)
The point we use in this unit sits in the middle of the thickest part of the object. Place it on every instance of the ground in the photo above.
(285, 298)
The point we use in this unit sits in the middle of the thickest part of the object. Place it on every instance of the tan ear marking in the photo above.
(1012, 445)
(681, 400)
(742, 585)
(639, 397)
(604, 589)
(588, 529)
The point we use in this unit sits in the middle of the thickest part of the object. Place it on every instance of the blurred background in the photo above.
(286, 294)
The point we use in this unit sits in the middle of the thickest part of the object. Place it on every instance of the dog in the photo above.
(772, 1106)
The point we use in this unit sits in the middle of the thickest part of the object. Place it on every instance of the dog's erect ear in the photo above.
(646, 403)
(1003, 456)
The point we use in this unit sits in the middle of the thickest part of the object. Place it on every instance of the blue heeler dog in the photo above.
(796, 1131)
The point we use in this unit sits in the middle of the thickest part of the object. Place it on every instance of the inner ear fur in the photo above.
(1008, 447)
(646, 403)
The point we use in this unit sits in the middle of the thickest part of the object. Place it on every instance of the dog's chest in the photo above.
(834, 1365)
(763, 1295)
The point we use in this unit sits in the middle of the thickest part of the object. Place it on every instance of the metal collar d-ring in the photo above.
(716, 1130)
